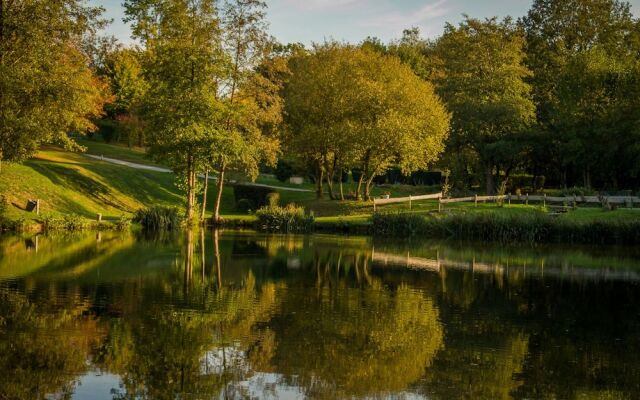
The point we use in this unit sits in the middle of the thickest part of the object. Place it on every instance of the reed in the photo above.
(289, 219)
(158, 218)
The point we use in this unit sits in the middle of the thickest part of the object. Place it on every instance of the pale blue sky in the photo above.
(309, 21)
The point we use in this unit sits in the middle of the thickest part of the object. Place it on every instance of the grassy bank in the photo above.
(73, 189)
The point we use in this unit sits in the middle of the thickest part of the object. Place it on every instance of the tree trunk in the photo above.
(204, 196)
(188, 260)
(319, 179)
(490, 185)
(331, 170)
(202, 254)
(219, 187)
(359, 188)
(367, 188)
(190, 190)
(341, 190)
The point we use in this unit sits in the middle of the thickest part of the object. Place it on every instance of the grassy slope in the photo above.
(71, 183)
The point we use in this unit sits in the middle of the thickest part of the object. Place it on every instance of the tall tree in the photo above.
(250, 97)
(483, 85)
(183, 63)
(47, 87)
(350, 107)
(558, 31)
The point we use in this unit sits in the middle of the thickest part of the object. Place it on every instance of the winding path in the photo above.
(161, 169)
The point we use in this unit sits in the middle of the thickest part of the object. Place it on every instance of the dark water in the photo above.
(243, 315)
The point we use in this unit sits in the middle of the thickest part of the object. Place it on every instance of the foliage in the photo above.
(284, 171)
(182, 64)
(398, 224)
(158, 218)
(288, 219)
(256, 196)
(47, 85)
(350, 107)
(482, 81)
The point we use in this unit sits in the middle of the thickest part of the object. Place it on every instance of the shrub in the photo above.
(283, 171)
(243, 205)
(69, 222)
(273, 199)
(158, 218)
(256, 196)
(123, 223)
(290, 218)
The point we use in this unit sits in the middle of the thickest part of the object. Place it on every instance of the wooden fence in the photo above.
(629, 201)
(410, 199)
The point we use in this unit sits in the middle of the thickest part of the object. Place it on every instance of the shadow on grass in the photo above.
(72, 180)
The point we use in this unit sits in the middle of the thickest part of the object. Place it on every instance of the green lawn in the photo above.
(69, 183)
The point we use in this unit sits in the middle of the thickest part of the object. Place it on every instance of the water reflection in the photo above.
(242, 315)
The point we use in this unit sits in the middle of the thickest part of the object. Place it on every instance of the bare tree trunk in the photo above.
(219, 187)
(367, 188)
(341, 190)
(489, 181)
(319, 179)
(330, 176)
(359, 188)
(204, 196)
(190, 190)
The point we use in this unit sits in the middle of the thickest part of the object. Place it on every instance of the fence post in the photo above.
(475, 200)
(544, 200)
(575, 201)
(527, 199)
(409, 202)
(37, 206)
(374, 205)
(509, 198)
(440, 205)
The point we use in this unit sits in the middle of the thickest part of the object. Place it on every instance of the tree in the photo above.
(122, 68)
(251, 113)
(483, 85)
(557, 32)
(349, 107)
(183, 62)
(47, 88)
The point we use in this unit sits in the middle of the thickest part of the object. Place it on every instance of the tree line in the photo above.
(553, 94)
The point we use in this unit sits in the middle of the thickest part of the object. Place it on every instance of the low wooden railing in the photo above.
(544, 199)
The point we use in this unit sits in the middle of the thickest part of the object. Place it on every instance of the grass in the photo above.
(69, 183)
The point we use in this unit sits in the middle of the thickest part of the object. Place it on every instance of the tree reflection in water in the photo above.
(243, 315)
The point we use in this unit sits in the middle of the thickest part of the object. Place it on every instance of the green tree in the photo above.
(483, 85)
(183, 62)
(350, 106)
(47, 87)
(557, 32)
(123, 70)
(250, 97)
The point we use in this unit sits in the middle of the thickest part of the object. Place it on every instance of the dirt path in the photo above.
(160, 169)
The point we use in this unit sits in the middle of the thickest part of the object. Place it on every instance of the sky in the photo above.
(308, 21)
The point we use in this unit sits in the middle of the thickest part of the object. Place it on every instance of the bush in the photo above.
(256, 196)
(283, 171)
(123, 223)
(273, 199)
(158, 218)
(284, 219)
(69, 222)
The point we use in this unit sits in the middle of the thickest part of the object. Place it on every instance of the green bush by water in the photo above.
(290, 219)
(158, 218)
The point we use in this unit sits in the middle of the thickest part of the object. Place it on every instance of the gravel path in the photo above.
(161, 169)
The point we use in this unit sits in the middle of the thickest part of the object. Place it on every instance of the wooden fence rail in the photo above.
(544, 199)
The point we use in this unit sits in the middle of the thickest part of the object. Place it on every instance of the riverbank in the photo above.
(74, 190)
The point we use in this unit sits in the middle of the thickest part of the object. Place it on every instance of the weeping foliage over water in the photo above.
(237, 315)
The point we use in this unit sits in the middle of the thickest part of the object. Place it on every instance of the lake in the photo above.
(233, 315)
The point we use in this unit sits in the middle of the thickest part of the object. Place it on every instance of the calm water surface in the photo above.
(242, 315)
